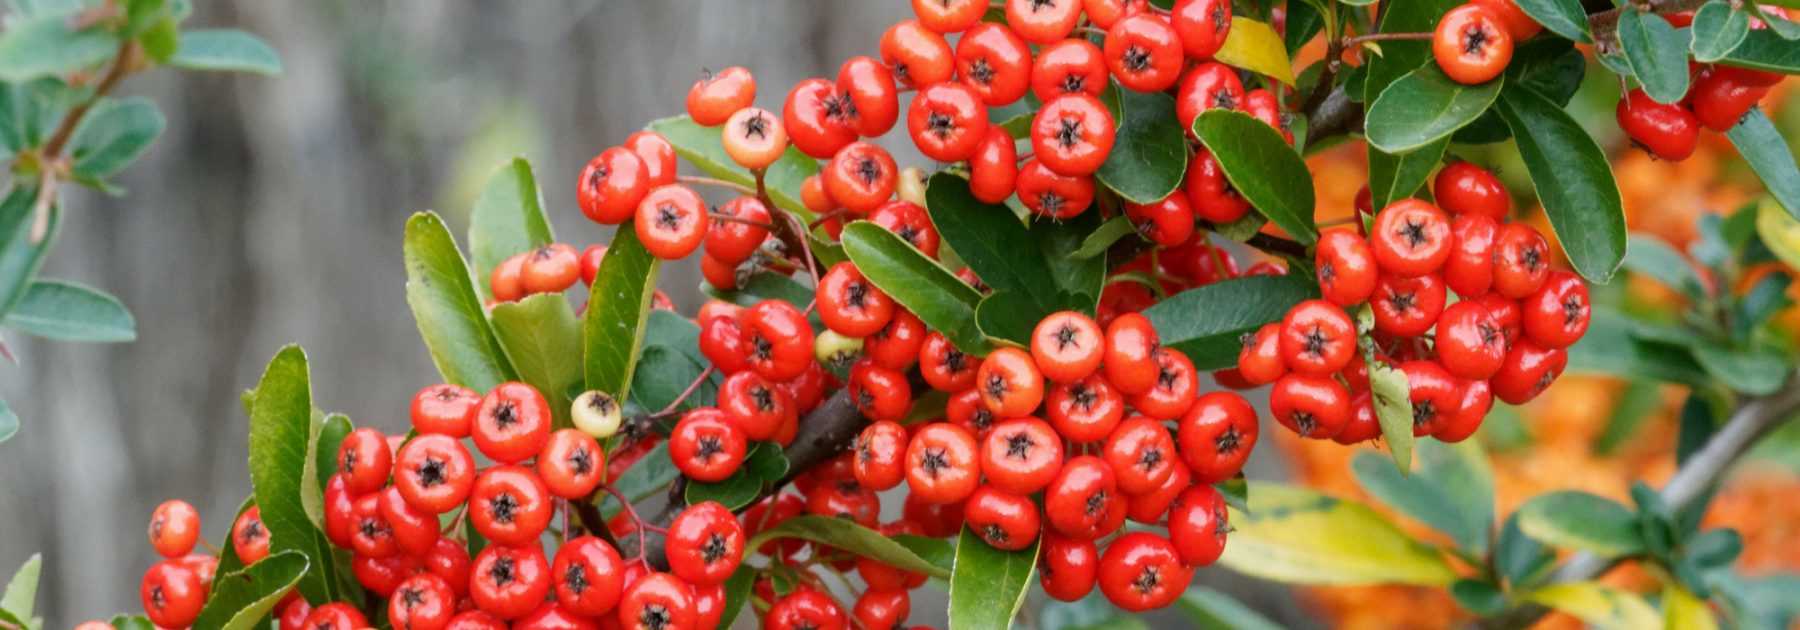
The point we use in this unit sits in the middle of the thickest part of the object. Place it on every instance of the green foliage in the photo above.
(442, 295)
(66, 311)
(1033, 260)
(1207, 608)
(243, 598)
(1656, 54)
(987, 585)
(1424, 106)
(281, 422)
(1205, 323)
(542, 340)
(700, 146)
(763, 466)
(508, 219)
(1573, 180)
(1148, 157)
(1452, 491)
(618, 306)
(1717, 30)
(916, 282)
(113, 135)
(910, 553)
(1562, 17)
(1762, 146)
(19, 600)
(225, 49)
(1262, 168)
(1580, 520)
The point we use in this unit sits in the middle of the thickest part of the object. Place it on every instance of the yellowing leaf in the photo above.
(1779, 231)
(1684, 611)
(1253, 46)
(1296, 535)
(1598, 605)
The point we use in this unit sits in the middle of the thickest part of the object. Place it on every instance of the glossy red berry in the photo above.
(861, 176)
(779, 339)
(880, 455)
(896, 346)
(1262, 105)
(995, 61)
(1043, 21)
(735, 241)
(1198, 522)
(1021, 455)
(415, 531)
(174, 528)
(1002, 519)
(947, 121)
(1142, 571)
(707, 447)
(1072, 134)
(591, 256)
(611, 185)
(1720, 99)
(1528, 370)
(1667, 131)
(909, 222)
(1128, 362)
(364, 459)
(371, 536)
(1411, 238)
(444, 409)
(1317, 338)
(1216, 436)
(818, 117)
(422, 602)
(1067, 346)
(1086, 410)
(944, 367)
(588, 576)
(1470, 269)
(1471, 44)
(1363, 426)
(656, 153)
(941, 463)
(850, 304)
(1518, 24)
(434, 473)
(512, 423)
(879, 393)
(805, 609)
(1407, 307)
(331, 616)
(1311, 406)
(1260, 361)
(705, 543)
(1068, 567)
(1169, 222)
(882, 609)
(172, 594)
(1434, 392)
(870, 86)
(671, 221)
(1177, 382)
(1470, 343)
(552, 268)
(1142, 455)
(1144, 53)
(1476, 398)
(716, 96)
(1010, 383)
(1210, 192)
(918, 56)
(509, 582)
(1462, 188)
(1049, 194)
(1078, 499)
(1202, 25)
(1556, 316)
(754, 138)
(994, 167)
(1210, 85)
(572, 464)
(1067, 67)
(509, 505)
(249, 538)
(1346, 268)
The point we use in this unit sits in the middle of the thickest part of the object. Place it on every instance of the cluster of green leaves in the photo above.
(57, 124)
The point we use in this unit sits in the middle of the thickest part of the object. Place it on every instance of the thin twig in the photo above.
(685, 393)
(1385, 37)
(50, 158)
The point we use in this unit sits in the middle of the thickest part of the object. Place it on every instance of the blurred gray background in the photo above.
(270, 211)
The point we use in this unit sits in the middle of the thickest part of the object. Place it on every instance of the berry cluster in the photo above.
(1717, 97)
(1504, 337)
(552, 268)
(384, 505)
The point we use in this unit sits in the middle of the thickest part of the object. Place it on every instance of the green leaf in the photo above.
(280, 427)
(542, 340)
(1609, 347)
(229, 50)
(1717, 30)
(1598, 605)
(131, 622)
(161, 39)
(1762, 146)
(1149, 155)
(1263, 168)
(1478, 597)
(1008, 255)
(618, 306)
(1236, 491)
(447, 309)
(1007, 316)
(508, 219)
(1519, 557)
(1753, 372)
(1650, 256)
(1573, 180)
(1424, 106)
(1562, 17)
(242, 598)
(20, 257)
(663, 373)
(765, 285)
(1453, 491)
(1205, 323)
(649, 476)
(20, 597)
(987, 585)
(1400, 57)
(1715, 548)
(1395, 177)
(9, 422)
(1256, 47)
(763, 464)
(1656, 55)
(918, 283)
(1765, 50)
(847, 535)
(1299, 536)
(738, 591)
(1580, 520)
(1207, 608)
(1392, 397)
(114, 134)
(1103, 237)
(321, 464)
(46, 45)
(66, 311)
(700, 147)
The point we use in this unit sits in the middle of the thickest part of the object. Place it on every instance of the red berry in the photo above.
(870, 87)
(509, 582)
(1052, 195)
(946, 16)
(805, 609)
(656, 153)
(705, 543)
(861, 176)
(512, 423)
(1144, 53)
(1470, 269)
(671, 221)
(1066, 346)
(1317, 338)
(1068, 567)
(944, 367)
(1072, 134)
(1086, 410)
(1198, 522)
(1411, 238)
(174, 528)
(918, 56)
(879, 393)
(444, 409)
(1177, 382)
(1067, 67)
(1346, 268)
(947, 121)
(994, 167)
(1528, 370)
(1521, 261)
(1407, 307)
(735, 241)
(364, 459)
(1434, 393)
(1217, 435)
(1130, 342)
(1078, 499)
(1141, 454)
(422, 602)
(1202, 25)
(755, 405)
(882, 609)
(1169, 222)
(572, 464)
(1260, 361)
(994, 61)
(716, 97)
(249, 538)
(818, 117)
(509, 505)
(779, 339)
(880, 461)
(1556, 316)
(1719, 100)
(329, 617)
(1211, 194)
(1021, 455)
(1667, 131)
(707, 447)
(1518, 24)
(1210, 85)
(1010, 383)
(1142, 571)
(172, 594)
(1363, 425)
(611, 185)
(910, 223)
(941, 463)
(754, 138)
(896, 346)
(1462, 188)
(1043, 21)
(1471, 44)
(1311, 406)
